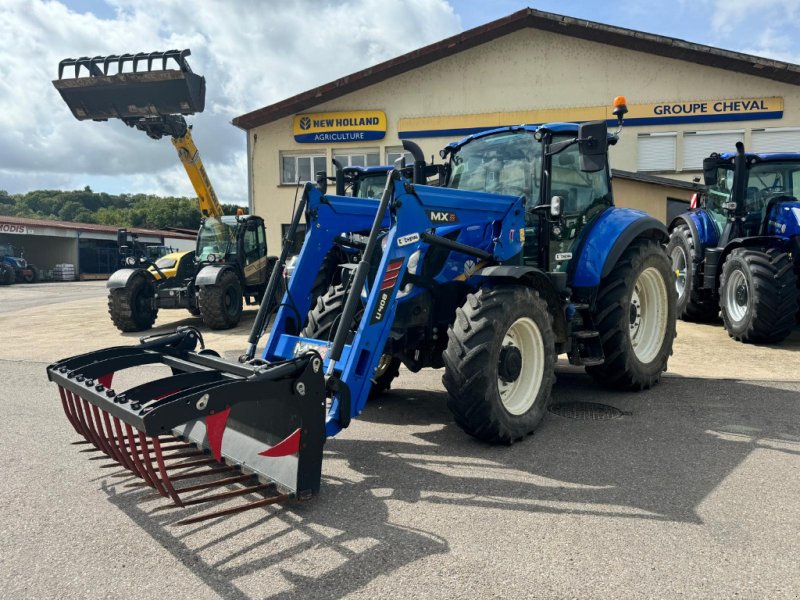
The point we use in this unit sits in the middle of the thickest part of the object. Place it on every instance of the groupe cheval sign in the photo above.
(657, 113)
(332, 127)
(14, 228)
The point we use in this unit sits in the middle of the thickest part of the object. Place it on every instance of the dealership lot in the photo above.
(692, 491)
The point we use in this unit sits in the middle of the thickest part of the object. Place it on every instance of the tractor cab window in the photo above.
(503, 163)
(6, 250)
(217, 237)
(719, 194)
(371, 186)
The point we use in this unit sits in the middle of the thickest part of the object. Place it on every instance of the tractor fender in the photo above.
(608, 238)
(702, 227)
(549, 286)
(757, 241)
(210, 274)
(121, 277)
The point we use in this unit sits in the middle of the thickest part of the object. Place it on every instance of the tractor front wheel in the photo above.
(221, 303)
(499, 363)
(7, 275)
(131, 307)
(692, 306)
(758, 295)
(635, 316)
(31, 275)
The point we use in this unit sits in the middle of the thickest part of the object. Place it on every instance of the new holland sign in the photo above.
(332, 127)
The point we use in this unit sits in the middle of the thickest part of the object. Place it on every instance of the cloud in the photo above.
(251, 53)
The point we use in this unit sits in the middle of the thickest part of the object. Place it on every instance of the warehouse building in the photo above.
(91, 248)
(686, 100)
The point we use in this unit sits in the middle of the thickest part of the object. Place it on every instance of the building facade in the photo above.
(685, 102)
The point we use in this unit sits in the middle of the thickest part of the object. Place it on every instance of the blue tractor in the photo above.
(521, 257)
(14, 267)
(738, 252)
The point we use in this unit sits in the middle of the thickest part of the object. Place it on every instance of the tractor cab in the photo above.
(563, 191)
(235, 240)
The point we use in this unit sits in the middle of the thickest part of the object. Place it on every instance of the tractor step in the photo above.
(259, 428)
(585, 334)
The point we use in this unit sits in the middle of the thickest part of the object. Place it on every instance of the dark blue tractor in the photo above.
(15, 268)
(521, 257)
(738, 251)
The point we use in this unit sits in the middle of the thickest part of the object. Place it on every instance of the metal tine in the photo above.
(163, 471)
(232, 494)
(192, 463)
(222, 469)
(148, 466)
(235, 509)
(135, 456)
(79, 420)
(215, 483)
(67, 411)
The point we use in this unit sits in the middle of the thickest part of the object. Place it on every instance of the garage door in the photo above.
(780, 139)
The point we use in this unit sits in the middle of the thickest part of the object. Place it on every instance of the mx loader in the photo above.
(521, 257)
(152, 92)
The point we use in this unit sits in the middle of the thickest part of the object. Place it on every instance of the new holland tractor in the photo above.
(230, 263)
(738, 253)
(490, 285)
(14, 268)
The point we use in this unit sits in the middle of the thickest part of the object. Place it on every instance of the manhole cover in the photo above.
(586, 411)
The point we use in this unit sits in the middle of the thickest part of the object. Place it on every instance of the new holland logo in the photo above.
(442, 216)
(305, 123)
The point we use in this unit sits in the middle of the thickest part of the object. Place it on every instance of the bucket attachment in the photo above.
(212, 424)
(130, 86)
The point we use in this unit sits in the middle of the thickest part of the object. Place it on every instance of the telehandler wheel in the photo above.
(499, 363)
(131, 307)
(635, 316)
(221, 303)
(323, 320)
(692, 306)
(758, 295)
(193, 310)
(7, 275)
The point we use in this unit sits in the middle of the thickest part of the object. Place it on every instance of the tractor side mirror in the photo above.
(556, 203)
(593, 145)
(710, 171)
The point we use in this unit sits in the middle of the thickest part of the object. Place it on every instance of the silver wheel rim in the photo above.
(648, 314)
(519, 395)
(383, 365)
(737, 296)
(679, 266)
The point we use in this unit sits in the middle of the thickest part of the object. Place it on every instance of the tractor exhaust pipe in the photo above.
(339, 173)
(419, 161)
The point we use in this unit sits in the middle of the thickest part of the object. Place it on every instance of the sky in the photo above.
(254, 53)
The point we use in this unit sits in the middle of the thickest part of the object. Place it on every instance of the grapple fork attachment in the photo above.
(212, 424)
(130, 86)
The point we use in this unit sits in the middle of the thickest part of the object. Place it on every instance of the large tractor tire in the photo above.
(692, 306)
(221, 303)
(758, 295)
(499, 363)
(635, 315)
(323, 320)
(7, 275)
(131, 307)
(31, 276)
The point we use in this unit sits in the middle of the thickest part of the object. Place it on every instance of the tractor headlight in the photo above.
(212, 258)
(130, 261)
(413, 265)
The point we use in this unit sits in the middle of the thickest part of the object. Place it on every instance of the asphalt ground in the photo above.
(691, 492)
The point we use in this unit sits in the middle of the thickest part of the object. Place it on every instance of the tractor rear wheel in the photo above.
(31, 275)
(131, 307)
(635, 316)
(323, 320)
(499, 363)
(221, 303)
(758, 295)
(692, 306)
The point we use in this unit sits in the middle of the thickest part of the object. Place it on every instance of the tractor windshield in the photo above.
(371, 186)
(217, 237)
(6, 250)
(503, 163)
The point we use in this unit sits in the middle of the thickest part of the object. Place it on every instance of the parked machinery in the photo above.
(14, 267)
(490, 286)
(230, 262)
(738, 252)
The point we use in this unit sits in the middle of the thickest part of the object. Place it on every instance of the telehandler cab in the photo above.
(490, 286)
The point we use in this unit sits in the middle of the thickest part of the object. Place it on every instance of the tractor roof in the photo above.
(764, 156)
(553, 127)
(379, 169)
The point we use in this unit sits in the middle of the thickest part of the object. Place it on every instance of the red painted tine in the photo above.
(135, 456)
(148, 464)
(235, 509)
(78, 416)
(111, 438)
(192, 463)
(84, 419)
(98, 427)
(163, 470)
(67, 411)
(123, 448)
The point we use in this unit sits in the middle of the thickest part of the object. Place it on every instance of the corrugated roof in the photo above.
(630, 39)
(655, 179)
(91, 227)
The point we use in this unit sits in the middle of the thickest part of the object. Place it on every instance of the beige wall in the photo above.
(649, 197)
(526, 70)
